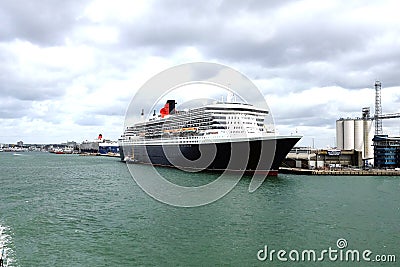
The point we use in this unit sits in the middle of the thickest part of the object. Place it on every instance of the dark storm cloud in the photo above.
(292, 46)
(34, 25)
(305, 116)
(36, 84)
(171, 25)
(226, 31)
(28, 91)
(45, 22)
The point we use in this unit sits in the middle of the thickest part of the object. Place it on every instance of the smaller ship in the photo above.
(68, 150)
(109, 148)
(59, 151)
(100, 147)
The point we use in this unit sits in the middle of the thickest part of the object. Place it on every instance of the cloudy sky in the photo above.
(69, 69)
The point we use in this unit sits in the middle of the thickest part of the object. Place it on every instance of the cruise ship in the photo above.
(222, 136)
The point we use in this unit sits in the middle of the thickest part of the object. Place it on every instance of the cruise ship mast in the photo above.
(230, 97)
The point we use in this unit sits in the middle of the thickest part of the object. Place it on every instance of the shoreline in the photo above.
(372, 172)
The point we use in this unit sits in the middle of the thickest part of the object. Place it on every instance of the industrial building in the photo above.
(360, 142)
(307, 158)
(387, 151)
(356, 134)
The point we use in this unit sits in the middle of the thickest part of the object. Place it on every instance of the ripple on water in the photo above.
(7, 252)
(90, 211)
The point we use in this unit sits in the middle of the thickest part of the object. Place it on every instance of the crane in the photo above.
(378, 110)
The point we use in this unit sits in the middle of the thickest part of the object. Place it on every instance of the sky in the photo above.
(69, 69)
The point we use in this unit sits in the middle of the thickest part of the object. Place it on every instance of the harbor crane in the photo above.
(378, 117)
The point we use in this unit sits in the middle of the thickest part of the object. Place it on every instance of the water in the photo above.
(68, 210)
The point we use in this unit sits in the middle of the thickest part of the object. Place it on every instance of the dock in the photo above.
(112, 155)
(344, 172)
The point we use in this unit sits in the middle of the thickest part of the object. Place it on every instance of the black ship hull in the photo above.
(250, 156)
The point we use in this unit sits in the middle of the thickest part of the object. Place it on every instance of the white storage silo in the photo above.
(358, 135)
(339, 134)
(348, 134)
(368, 135)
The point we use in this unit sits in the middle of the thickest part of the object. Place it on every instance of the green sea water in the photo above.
(68, 210)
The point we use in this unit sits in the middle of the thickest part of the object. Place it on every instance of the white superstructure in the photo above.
(211, 123)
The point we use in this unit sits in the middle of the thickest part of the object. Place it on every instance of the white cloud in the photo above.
(98, 34)
(118, 10)
(71, 73)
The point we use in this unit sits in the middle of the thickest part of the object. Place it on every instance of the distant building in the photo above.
(89, 147)
(322, 158)
(71, 143)
(386, 151)
(20, 143)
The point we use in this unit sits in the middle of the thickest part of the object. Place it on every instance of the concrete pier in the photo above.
(349, 172)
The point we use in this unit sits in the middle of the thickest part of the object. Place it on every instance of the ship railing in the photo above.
(196, 140)
(180, 140)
